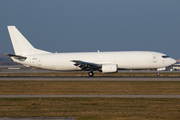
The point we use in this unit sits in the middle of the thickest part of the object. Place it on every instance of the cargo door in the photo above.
(154, 58)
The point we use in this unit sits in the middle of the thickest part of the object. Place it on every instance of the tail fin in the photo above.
(20, 43)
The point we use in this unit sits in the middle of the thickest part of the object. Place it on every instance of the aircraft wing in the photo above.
(86, 65)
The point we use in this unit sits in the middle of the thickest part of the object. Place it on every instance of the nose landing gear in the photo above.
(158, 74)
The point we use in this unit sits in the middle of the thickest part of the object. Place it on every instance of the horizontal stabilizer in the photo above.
(16, 56)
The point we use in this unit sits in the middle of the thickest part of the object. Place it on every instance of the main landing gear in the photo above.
(91, 74)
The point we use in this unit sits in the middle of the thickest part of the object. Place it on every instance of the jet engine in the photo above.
(109, 68)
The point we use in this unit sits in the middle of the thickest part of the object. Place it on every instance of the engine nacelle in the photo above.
(109, 68)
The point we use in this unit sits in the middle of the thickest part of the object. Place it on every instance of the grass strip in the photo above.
(89, 87)
(92, 108)
(119, 74)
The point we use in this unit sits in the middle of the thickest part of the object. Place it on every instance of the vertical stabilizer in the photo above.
(20, 44)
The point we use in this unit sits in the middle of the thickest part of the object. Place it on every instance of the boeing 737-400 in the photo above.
(106, 62)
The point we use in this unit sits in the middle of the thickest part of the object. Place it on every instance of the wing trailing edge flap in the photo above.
(86, 65)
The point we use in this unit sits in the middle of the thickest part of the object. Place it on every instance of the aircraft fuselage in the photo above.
(124, 60)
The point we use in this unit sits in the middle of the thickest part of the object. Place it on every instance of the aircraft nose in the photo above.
(172, 61)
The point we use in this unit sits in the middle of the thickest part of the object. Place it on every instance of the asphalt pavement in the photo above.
(22, 78)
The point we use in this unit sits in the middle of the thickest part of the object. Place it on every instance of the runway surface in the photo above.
(91, 78)
(90, 96)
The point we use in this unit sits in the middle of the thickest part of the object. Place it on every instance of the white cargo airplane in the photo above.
(106, 62)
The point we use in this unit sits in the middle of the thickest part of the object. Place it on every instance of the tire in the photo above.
(158, 74)
(91, 74)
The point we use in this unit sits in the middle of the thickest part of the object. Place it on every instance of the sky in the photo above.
(91, 25)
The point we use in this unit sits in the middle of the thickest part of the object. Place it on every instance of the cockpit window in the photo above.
(165, 56)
